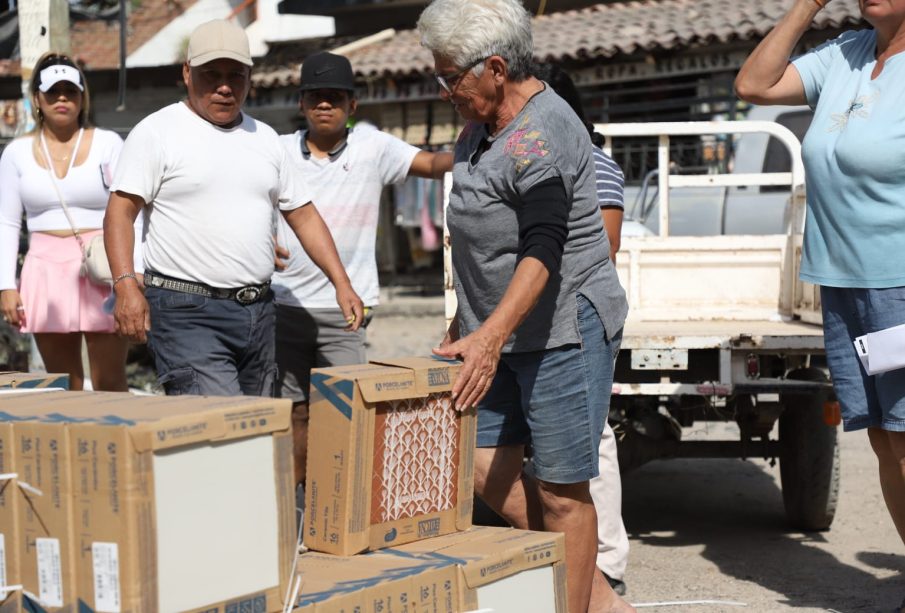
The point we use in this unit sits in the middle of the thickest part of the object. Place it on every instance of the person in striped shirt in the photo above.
(610, 193)
(606, 489)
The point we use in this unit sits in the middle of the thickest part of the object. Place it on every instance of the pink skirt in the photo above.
(55, 296)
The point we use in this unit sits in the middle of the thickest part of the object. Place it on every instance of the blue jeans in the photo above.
(210, 346)
(557, 400)
(867, 401)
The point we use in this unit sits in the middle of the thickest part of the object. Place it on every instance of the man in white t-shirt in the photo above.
(209, 179)
(346, 169)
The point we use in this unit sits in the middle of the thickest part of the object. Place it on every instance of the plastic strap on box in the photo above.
(22, 484)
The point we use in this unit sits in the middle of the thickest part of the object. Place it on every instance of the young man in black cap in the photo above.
(346, 169)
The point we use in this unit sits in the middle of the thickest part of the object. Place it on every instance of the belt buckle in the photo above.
(248, 295)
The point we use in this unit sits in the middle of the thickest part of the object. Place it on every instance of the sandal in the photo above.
(618, 585)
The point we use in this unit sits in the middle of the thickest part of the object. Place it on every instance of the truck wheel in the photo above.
(809, 457)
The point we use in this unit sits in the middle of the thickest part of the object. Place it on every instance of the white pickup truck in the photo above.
(720, 327)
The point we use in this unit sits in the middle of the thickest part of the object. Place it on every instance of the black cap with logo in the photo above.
(325, 70)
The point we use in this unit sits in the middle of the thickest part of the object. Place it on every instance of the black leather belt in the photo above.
(243, 295)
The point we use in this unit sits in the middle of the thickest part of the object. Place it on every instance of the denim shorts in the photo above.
(210, 346)
(868, 401)
(557, 400)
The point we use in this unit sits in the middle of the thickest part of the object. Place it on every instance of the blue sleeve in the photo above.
(814, 66)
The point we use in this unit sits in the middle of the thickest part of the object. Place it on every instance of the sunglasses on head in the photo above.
(53, 60)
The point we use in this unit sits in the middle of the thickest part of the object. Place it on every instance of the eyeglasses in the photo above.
(449, 83)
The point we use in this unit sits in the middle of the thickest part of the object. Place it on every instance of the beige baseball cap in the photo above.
(218, 39)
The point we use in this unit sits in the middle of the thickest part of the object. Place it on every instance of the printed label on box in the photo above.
(105, 557)
(438, 376)
(50, 572)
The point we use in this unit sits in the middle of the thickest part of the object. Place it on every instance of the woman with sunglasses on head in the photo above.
(59, 175)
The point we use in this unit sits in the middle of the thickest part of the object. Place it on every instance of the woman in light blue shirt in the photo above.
(854, 242)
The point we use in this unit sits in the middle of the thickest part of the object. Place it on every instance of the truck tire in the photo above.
(809, 462)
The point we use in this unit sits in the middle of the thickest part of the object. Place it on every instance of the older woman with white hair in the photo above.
(540, 307)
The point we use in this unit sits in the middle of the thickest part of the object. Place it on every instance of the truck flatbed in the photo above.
(790, 335)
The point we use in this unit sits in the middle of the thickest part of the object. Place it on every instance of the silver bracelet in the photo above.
(125, 275)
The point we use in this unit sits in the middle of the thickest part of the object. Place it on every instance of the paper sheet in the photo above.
(883, 350)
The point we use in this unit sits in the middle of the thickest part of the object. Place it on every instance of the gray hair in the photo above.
(465, 31)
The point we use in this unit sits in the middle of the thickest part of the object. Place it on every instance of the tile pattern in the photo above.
(416, 454)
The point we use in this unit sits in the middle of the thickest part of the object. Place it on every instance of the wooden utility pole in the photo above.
(123, 27)
(43, 27)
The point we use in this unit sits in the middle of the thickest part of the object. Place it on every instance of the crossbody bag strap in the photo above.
(56, 187)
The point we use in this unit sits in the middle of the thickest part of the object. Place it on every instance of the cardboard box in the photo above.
(390, 460)
(179, 503)
(492, 569)
(502, 569)
(10, 568)
(46, 539)
(25, 380)
(373, 582)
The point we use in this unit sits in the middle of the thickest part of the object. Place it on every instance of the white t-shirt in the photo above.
(346, 189)
(211, 194)
(24, 185)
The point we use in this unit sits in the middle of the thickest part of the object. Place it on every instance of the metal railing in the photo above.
(664, 131)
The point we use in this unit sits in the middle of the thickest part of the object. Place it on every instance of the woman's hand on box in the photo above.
(480, 355)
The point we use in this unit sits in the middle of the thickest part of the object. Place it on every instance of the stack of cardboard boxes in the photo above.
(390, 473)
(116, 503)
(113, 503)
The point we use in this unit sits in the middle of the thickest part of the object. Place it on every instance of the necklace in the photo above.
(75, 148)
(66, 157)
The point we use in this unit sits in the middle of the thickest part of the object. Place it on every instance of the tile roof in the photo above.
(281, 64)
(96, 42)
(608, 30)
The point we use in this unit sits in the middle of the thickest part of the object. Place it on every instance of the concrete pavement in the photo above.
(714, 530)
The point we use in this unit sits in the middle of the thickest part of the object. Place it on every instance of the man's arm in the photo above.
(431, 165)
(318, 243)
(612, 223)
(131, 311)
(611, 197)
